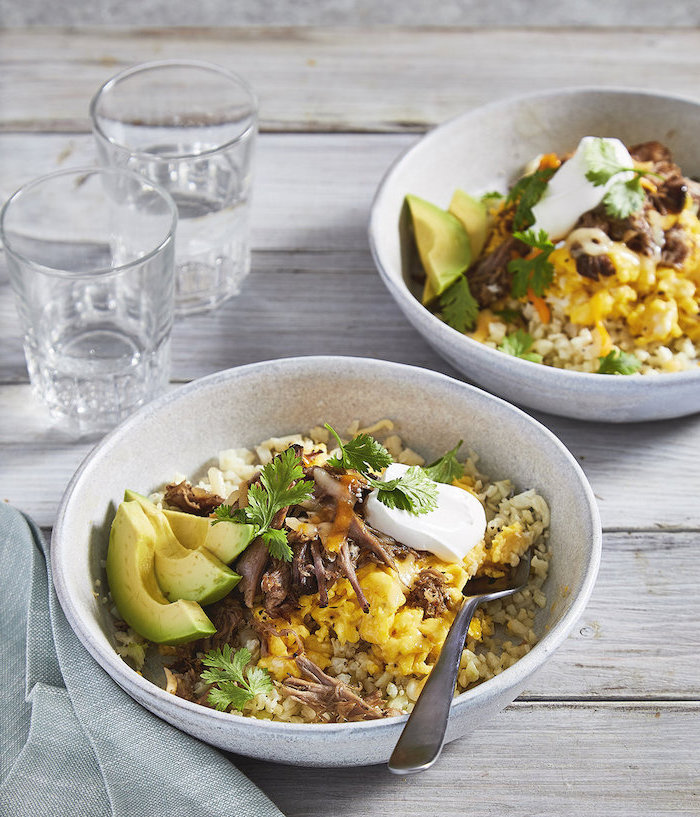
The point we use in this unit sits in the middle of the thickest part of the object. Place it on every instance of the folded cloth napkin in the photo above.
(72, 742)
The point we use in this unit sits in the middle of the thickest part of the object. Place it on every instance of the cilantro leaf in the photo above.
(281, 484)
(525, 194)
(447, 468)
(492, 195)
(619, 362)
(601, 161)
(276, 542)
(624, 198)
(509, 315)
(517, 344)
(225, 513)
(414, 491)
(534, 273)
(361, 454)
(458, 306)
(234, 685)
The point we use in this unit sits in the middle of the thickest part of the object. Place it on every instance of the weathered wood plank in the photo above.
(320, 79)
(614, 760)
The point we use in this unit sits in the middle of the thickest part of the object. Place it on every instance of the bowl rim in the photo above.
(129, 679)
(565, 378)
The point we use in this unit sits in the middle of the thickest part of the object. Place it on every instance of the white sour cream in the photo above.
(450, 531)
(569, 194)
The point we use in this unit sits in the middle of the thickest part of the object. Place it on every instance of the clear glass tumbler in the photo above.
(90, 254)
(190, 127)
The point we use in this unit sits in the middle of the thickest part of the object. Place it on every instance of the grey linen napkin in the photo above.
(72, 742)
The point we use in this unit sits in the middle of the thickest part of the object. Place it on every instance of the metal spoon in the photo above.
(423, 736)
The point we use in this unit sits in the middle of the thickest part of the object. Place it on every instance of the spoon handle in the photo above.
(423, 736)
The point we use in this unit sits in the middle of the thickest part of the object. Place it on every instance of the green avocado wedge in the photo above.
(474, 218)
(443, 245)
(226, 540)
(134, 589)
(182, 573)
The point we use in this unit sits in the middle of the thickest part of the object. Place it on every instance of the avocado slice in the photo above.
(474, 218)
(224, 539)
(443, 245)
(182, 573)
(134, 589)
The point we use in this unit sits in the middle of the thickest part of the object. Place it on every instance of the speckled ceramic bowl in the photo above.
(486, 149)
(184, 430)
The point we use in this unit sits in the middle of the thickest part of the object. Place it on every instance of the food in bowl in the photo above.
(348, 562)
(591, 262)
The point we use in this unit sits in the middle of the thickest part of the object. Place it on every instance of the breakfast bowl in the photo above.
(181, 432)
(488, 149)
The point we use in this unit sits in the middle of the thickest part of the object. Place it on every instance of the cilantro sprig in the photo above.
(414, 491)
(234, 682)
(361, 454)
(518, 344)
(525, 194)
(458, 306)
(534, 273)
(280, 484)
(447, 468)
(624, 196)
(619, 362)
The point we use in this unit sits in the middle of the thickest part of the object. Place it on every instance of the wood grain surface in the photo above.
(611, 725)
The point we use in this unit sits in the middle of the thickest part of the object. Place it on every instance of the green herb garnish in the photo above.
(623, 197)
(517, 344)
(363, 453)
(414, 491)
(458, 306)
(280, 484)
(509, 315)
(619, 362)
(525, 193)
(234, 684)
(532, 273)
(447, 468)
(492, 195)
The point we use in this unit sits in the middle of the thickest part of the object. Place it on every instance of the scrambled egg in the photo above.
(399, 638)
(655, 303)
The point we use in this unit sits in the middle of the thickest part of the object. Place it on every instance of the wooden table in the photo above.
(611, 726)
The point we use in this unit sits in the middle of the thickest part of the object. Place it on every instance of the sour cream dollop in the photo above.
(569, 194)
(450, 531)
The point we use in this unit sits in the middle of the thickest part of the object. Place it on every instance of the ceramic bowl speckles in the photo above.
(486, 149)
(184, 430)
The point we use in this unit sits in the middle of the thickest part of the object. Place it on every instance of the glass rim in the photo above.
(143, 67)
(98, 271)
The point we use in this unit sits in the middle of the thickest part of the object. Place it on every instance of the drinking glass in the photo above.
(190, 127)
(90, 253)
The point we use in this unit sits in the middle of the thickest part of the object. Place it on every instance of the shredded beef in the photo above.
(429, 592)
(191, 499)
(328, 695)
(676, 248)
(275, 585)
(489, 279)
(671, 195)
(227, 616)
(251, 566)
(593, 266)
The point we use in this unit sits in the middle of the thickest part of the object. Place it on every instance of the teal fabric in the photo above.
(72, 742)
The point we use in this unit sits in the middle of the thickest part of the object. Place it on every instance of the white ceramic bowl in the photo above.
(486, 149)
(185, 429)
